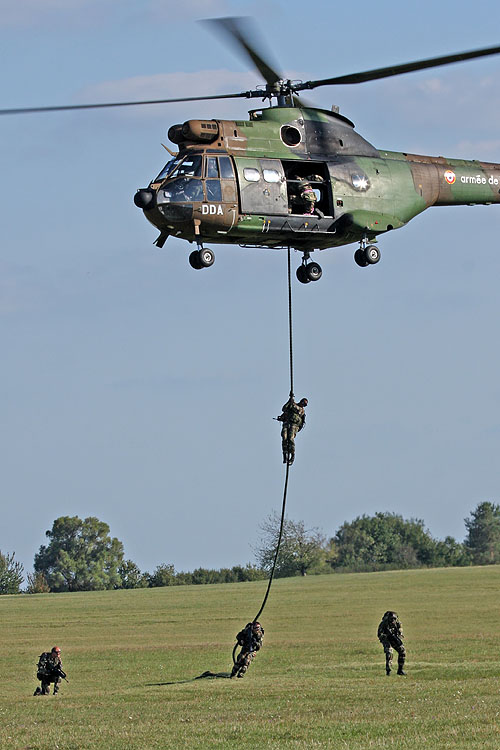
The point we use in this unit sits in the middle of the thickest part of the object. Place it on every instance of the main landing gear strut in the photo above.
(202, 258)
(309, 270)
(366, 255)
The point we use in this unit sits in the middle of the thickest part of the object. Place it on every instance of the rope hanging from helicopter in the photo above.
(285, 488)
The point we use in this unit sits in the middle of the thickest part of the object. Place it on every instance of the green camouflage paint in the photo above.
(369, 191)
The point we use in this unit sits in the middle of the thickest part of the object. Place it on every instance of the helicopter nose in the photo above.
(144, 199)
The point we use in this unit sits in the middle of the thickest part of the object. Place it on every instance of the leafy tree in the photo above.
(81, 556)
(163, 575)
(131, 576)
(37, 584)
(382, 540)
(301, 550)
(483, 539)
(451, 553)
(11, 574)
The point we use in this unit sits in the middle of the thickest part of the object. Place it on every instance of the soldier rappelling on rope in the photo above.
(293, 419)
(250, 640)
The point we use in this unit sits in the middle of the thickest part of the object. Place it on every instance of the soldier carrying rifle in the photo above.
(49, 670)
(390, 635)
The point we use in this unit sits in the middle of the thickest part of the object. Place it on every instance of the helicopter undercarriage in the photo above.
(309, 270)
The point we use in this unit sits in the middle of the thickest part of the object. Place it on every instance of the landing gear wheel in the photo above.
(194, 260)
(207, 257)
(360, 259)
(302, 276)
(313, 271)
(372, 254)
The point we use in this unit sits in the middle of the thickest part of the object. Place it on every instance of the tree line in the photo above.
(82, 556)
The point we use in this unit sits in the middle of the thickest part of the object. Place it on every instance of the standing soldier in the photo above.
(293, 418)
(49, 670)
(390, 635)
(250, 640)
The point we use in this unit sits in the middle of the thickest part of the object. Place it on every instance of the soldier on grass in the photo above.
(250, 640)
(390, 635)
(49, 670)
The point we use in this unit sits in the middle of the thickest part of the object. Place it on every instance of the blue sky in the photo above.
(142, 392)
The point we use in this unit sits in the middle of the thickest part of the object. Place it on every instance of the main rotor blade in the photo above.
(61, 108)
(395, 70)
(242, 33)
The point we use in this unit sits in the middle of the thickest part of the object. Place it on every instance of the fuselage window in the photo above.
(214, 192)
(290, 135)
(183, 190)
(251, 174)
(271, 175)
(226, 168)
(212, 168)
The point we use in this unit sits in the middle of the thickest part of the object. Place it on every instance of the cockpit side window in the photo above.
(226, 168)
(212, 167)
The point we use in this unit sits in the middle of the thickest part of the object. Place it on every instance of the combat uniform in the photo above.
(250, 640)
(390, 635)
(49, 671)
(307, 196)
(293, 418)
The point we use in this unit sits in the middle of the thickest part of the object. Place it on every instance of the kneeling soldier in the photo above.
(49, 670)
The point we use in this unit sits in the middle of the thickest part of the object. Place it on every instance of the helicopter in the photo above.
(240, 182)
(295, 175)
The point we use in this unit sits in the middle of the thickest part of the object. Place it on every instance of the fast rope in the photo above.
(285, 489)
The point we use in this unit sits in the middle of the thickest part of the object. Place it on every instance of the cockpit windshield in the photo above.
(182, 190)
(189, 166)
(166, 170)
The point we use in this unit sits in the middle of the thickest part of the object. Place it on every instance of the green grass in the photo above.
(319, 681)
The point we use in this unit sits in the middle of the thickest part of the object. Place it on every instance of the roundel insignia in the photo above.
(450, 176)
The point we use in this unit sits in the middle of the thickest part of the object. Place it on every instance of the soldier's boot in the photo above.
(38, 691)
(387, 671)
(234, 670)
(45, 691)
(242, 671)
(401, 663)
(56, 689)
(387, 666)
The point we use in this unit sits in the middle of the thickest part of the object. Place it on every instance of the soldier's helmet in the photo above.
(256, 626)
(56, 650)
(303, 402)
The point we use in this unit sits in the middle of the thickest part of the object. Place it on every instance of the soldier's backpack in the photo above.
(44, 668)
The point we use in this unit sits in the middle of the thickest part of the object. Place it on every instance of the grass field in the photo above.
(319, 681)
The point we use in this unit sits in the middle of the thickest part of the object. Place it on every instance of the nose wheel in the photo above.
(309, 270)
(202, 258)
(366, 255)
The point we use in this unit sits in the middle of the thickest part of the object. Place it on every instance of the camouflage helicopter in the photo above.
(295, 175)
(242, 182)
